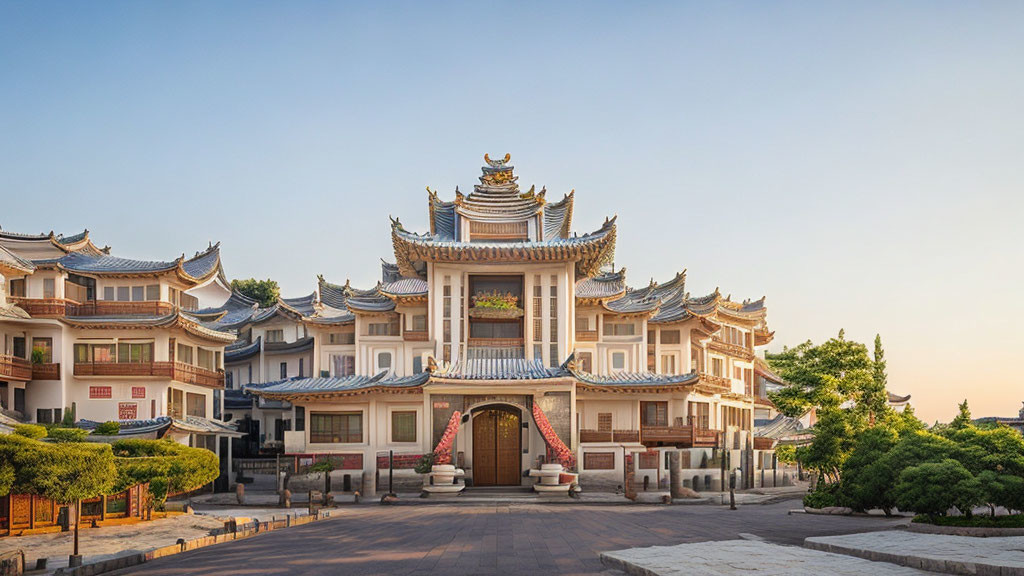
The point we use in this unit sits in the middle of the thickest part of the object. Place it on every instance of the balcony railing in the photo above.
(44, 307)
(621, 436)
(683, 435)
(57, 307)
(731, 349)
(586, 335)
(495, 349)
(177, 371)
(46, 371)
(415, 335)
(14, 368)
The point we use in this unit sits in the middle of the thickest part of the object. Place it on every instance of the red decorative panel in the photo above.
(138, 391)
(127, 411)
(99, 392)
(599, 461)
(402, 461)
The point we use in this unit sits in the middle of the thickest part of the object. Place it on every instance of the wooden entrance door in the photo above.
(497, 456)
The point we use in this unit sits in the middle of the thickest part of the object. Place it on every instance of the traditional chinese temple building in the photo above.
(507, 339)
(94, 337)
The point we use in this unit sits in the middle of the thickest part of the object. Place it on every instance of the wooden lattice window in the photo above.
(599, 461)
(604, 422)
(499, 230)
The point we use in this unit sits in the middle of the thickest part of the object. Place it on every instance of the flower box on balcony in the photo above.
(495, 313)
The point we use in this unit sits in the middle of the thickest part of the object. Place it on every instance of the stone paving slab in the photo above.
(744, 557)
(998, 556)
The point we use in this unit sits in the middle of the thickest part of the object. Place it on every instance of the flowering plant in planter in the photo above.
(558, 448)
(443, 452)
(496, 299)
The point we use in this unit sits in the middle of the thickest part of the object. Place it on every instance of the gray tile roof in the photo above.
(299, 386)
(241, 350)
(134, 427)
(303, 305)
(235, 399)
(604, 285)
(11, 260)
(498, 369)
(198, 425)
(558, 218)
(389, 272)
(777, 428)
(300, 345)
(238, 310)
(405, 287)
(636, 379)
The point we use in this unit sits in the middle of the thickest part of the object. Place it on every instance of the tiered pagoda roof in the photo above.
(177, 319)
(49, 246)
(498, 200)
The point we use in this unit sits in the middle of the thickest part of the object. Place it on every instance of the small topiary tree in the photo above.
(33, 431)
(935, 487)
(67, 434)
(425, 464)
(110, 428)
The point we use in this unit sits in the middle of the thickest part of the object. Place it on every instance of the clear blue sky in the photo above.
(859, 164)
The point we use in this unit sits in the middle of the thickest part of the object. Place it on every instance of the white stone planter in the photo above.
(442, 479)
(547, 479)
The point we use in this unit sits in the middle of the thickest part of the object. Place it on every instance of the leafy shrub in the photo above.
(825, 496)
(866, 476)
(108, 429)
(67, 434)
(786, 453)
(33, 431)
(496, 299)
(38, 355)
(424, 465)
(935, 487)
(181, 467)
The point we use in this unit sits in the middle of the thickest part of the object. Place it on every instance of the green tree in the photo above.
(874, 397)
(963, 419)
(907, 421)
(935, 487)
(266, 292)
(866, 482)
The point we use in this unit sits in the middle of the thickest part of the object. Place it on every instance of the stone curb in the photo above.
(975, 532)
(919, 562)
(129, 560)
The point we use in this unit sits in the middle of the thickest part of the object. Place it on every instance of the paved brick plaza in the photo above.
(493, 539)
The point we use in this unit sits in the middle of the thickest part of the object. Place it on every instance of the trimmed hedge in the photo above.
(976, 521)
(33, 431)
(67, 434)
(66, 471)
(169, 467)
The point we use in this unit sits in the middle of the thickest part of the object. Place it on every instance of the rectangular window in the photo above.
(49, 288)
(403, 426)
(195, 405)
(384, 361)
(138, 293)
(604, 422)
(619, 329)
(654, 413)
(700, 415)
(717, 368)
(284, 370)
(583, 323)
(670, 336)
(389, 328)
(553, 358)
(229, 381)
(343, 364)
(419, 323)
(668, 364)
(618, 360)
(44, 416)
(275, 335)
(108, 293)
(417, 365)
(135, 352)
(18, 288)
(599, 461)
(99, 353)
(153, 292)
(123, 294)
(188, 302)
(335, 427)
(342, 338)
(43, 347)
(302, 371)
